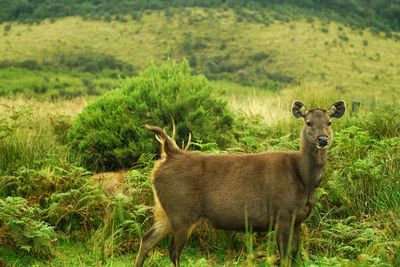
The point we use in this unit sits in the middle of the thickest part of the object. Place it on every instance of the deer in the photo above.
(264, 191)
(111, 182)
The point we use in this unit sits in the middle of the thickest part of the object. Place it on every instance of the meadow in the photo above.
(51, 214)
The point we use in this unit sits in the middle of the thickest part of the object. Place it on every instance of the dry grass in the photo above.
(60, 107)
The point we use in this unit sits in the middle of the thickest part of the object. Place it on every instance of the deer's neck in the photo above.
(313, 161)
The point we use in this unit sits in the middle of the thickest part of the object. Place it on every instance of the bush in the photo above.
(366, 182)
(21, 229)
(109, 134)
(80, 209)
(91, 62)
(382, 122)
(259, 56)
(7, 28)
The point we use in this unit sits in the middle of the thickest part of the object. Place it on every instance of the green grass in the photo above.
(356, 219)
(280, 55)
(53, 83)
(355, 222)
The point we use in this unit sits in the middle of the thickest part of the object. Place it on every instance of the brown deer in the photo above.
(270, 190)
(111, 182)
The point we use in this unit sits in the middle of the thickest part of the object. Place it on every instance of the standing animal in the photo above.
(270, 190)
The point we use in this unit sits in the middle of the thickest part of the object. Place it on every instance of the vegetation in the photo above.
(110, 133)
(60, 120)
(382, 15)
(355, 221)
(75, 57)
(21, 229)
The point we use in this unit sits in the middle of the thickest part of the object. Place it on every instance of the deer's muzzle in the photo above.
(322, 141)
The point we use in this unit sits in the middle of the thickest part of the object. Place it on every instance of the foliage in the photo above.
(382, 121)
(76, 57)
(249, 71)
(43, 189)
(371, 241)
(382, 15)
(38, 184)
(53, 84)
(109, 133)
(82, 62)
(91, 62)
(366, 182)
(79, 209)
(22, 136)
(22, 228)
(81, 70)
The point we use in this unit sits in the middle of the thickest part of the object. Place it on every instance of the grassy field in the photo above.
(313, 54)
(355, 224)
(57, 217)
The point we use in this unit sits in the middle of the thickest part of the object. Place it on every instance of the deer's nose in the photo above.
(322, 140)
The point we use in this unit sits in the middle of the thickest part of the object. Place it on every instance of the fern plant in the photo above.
(22, 228)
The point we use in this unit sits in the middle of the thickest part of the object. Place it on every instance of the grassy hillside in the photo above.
(273, 56)
(381, 15)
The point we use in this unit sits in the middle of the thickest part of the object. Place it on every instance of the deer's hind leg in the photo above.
(182, 223)
(157, 232)
(178, 240)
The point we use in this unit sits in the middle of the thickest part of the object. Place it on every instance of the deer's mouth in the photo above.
(322, 147)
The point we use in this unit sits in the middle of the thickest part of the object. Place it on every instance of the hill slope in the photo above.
(381, 15)
(216, 43)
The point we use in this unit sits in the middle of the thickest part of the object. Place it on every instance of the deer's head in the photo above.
(317, 122)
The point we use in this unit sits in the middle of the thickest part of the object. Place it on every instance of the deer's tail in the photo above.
(169, 147)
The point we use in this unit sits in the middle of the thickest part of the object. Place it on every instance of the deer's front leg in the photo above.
(288, 241)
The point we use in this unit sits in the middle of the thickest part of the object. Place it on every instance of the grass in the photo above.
(340, 232)
(296, 49)
(356, 219)
(52, 83)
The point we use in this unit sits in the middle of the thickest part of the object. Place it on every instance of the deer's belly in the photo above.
(242, 216)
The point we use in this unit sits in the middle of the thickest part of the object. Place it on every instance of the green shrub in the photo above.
(193, 61)
(90, 62)
(109, 134)
(259, 56)
(7, 28)
(382, 121)
(22, 229)
(80, 209)
(363, 178)
(342, 36)
(368, 241)
(324, 29)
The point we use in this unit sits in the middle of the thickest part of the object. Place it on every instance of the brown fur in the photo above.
(110, 181)
(266, 190)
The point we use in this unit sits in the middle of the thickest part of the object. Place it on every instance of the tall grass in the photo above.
(355, 221)
(28, 140)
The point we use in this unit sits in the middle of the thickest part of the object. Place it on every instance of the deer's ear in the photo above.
(298, 109)
(338, 109)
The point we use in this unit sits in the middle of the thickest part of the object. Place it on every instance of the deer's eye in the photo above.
(329, 123)
(308, 123)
